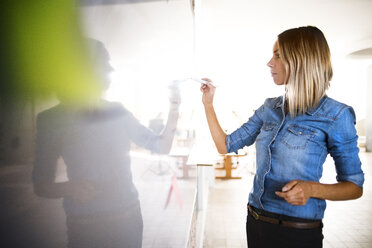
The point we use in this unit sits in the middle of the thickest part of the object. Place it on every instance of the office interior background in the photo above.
(152, 45)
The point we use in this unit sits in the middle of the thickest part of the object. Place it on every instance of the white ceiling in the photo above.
(347, 24)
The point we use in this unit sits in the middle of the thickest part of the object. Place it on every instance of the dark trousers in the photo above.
(107, 230)
(266, 235)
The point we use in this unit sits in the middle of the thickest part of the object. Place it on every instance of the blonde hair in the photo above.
(307, 60)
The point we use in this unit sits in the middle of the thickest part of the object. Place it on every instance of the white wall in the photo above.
(368, 123)
(152, 44)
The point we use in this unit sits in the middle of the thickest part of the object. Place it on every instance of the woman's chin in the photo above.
(278, 82)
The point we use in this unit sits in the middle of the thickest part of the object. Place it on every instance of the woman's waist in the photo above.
(312, 210)
(281, 216)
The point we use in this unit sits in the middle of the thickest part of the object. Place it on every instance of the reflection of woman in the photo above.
(293, 136)
(100, 199)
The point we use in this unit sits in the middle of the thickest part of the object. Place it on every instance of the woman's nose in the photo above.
(270, 64)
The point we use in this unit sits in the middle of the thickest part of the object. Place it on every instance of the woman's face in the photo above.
(277, 67)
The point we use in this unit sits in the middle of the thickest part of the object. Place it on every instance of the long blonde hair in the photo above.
(305, 54)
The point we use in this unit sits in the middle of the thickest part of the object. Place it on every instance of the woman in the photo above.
(294, 134)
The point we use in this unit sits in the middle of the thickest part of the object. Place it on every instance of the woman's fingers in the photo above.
(296, 192)
(205, 87)
(289, 185)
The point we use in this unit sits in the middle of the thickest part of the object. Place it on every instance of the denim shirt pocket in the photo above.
(297, 137)
(266, 130)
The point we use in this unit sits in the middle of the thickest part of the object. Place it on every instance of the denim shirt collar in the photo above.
(320, 104)
(280, 104)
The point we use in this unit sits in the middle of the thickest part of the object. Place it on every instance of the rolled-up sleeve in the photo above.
(246, 134)
(343, 147)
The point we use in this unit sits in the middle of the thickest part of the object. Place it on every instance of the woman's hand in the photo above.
(296, 192)
(208, 92)
(218, 135)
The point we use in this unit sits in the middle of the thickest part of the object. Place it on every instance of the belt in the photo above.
(299, 225)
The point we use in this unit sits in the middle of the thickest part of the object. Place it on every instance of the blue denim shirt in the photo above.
(296, 148)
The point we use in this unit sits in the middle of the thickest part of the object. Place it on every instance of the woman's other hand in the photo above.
(296, 192)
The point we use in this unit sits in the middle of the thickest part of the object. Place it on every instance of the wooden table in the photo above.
(227, 166)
